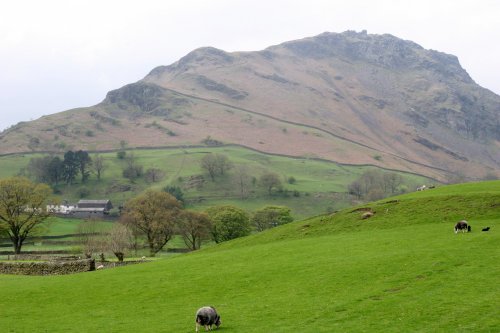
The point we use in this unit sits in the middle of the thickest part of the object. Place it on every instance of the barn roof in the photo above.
(88, 210)
(105, 201)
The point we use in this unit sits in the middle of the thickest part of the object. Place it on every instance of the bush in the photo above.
(175, 191)
(229, 222)
(121, 154)
(132, 172)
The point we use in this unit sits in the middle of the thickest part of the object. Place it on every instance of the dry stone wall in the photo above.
(47, 267)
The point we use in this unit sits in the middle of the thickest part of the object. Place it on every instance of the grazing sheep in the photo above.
(486, 229)
(207, 316)
(367, 215)
(100, 267)
(462, 225)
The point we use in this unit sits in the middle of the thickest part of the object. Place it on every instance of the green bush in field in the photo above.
(270, 217)
(229, 222)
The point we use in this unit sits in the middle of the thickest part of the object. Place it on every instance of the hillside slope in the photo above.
(351, 98)
(396, 274)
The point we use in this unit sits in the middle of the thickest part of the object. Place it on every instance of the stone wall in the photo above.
(41, 257)
(47, 267)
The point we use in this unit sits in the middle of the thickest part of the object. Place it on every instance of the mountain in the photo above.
(352, 98)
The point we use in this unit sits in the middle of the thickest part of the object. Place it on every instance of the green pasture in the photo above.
(314, 192)
(403, 270)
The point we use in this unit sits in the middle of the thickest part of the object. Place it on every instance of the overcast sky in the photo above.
(57, 55)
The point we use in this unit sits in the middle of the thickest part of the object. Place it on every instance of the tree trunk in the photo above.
(18, 244)
(119, 255)
(17, 248)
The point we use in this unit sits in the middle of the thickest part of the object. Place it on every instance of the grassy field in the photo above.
(320, 185)
(403, 270)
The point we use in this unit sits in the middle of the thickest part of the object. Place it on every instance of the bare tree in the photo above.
(120, 240)
(356, 189)
(89, 237)
(99, 166)
(243, 180)
(194, 228)
(223, 163)
(209, 163)
(392, 181)
(216, 164)
(270, 181)
(133, 169)
(154, 175)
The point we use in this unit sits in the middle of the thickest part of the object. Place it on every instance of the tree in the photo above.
(223, 163)
(392, 180)
(154, 175)
(371, 180)
(132, 170)
(243, 180)
(22, 208)
(176, 191)
(84, 162)
(99, 165)
(120, 240)
(270, 217)
(45, 169)
(38, 169)
(194, 228)
(270, 181)
(56, 170)
(153, 213)
(209, 163)
(356, 189)
(89, 237)
(228, 222)
(70, 167)
(215, 164)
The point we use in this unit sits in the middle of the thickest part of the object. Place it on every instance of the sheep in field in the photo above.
(207, 316)
(462, 225)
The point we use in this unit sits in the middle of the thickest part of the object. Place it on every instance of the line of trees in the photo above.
(158, 216)
(78, 167)
(155, 216)
(375, 185)
(53, 170)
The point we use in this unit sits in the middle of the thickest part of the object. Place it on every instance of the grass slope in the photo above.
(317, 182)
(399, 273)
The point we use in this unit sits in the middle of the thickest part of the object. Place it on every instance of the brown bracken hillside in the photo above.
(352, 98)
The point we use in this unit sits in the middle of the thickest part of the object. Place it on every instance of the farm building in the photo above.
(92, 208)
(64, 209)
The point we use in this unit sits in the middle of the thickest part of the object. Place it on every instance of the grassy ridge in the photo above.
(391, 273)
(479, 203)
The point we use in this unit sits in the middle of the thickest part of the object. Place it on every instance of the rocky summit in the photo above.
(353, 98)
